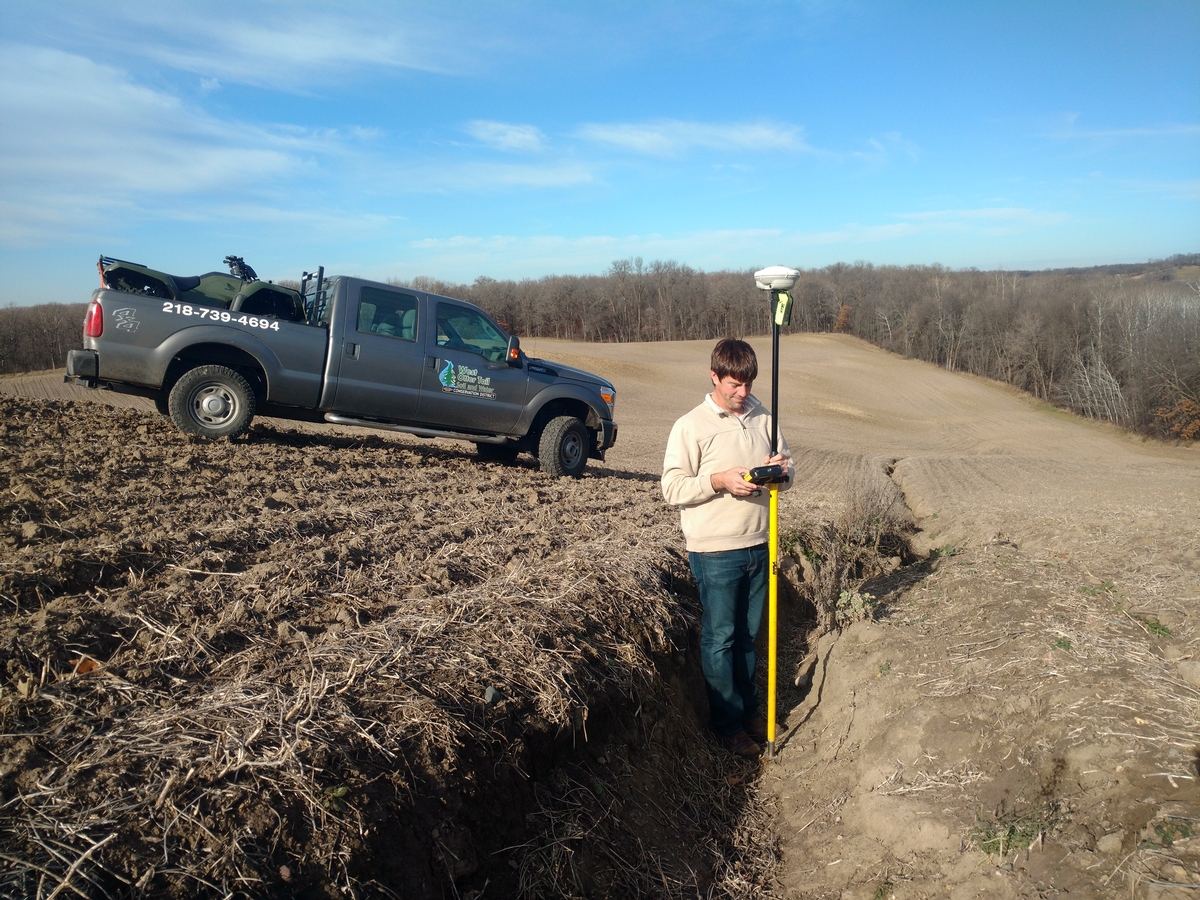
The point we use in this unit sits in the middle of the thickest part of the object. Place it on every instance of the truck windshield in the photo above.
(462, 328)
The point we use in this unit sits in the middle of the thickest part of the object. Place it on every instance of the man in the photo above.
(726, 521)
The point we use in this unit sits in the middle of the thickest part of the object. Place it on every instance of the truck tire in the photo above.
(163, 404)
(563, 447)
(212, 402)
(501, 453)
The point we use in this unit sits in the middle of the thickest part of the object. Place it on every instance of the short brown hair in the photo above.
(735, 358)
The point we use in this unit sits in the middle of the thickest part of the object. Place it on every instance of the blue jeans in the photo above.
(733, 589)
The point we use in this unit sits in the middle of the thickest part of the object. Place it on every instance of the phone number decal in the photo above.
(220, 315)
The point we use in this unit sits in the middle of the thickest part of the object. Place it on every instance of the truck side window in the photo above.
(388, 313)
(461, 328)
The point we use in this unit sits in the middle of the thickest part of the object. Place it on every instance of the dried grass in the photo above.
(270, 724)
(841, 553)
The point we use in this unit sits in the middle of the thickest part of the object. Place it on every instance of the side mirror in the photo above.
(513, 355)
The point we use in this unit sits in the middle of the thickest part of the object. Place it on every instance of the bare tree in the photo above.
(1120, 343)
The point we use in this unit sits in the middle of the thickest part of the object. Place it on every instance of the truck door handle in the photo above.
(431, 362)
(352, 350)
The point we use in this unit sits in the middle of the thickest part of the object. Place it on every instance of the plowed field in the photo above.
(325, 662)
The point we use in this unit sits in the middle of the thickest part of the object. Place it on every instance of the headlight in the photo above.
(609, 396)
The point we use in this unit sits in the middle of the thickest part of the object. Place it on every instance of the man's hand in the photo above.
(732, 480)
(779, 460)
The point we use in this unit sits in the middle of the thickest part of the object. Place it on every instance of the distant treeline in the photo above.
(1120, 343)
(38, 337)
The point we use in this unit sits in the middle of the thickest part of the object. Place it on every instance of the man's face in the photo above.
(729, 393)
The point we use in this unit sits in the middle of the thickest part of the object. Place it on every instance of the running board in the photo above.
(335, 419)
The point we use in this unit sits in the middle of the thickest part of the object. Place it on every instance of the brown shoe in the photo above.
(756, 727)
(741, 744)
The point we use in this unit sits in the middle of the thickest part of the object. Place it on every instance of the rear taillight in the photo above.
(93, 325)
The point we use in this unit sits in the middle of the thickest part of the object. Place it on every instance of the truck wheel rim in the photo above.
(213, 404)
(572, 450)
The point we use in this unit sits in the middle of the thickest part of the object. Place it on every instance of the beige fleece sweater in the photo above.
(707, 441)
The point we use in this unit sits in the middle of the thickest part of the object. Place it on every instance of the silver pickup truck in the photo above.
(214, 350)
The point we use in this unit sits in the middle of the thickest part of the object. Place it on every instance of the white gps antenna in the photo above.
(776, 278)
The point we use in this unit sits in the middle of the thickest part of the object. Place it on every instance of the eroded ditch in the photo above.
(312, 665)
(317, 665)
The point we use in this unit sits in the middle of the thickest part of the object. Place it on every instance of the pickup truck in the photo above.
(214, 350)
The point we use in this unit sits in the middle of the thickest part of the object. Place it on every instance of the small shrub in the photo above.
(842, 324)
(872, 527)
(1157, 628)
(1170, 831)
(792, 543)
(1181, 420)
(1010, 832)
(854, 607)
(948, 550)
(1062, 644)
(789, 540)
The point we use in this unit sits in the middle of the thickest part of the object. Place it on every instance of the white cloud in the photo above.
(503, 136)
(1178, 130)
(84, 145)
(1008, 217)
(286, 46)
(671, 137)
(1180, 190)
(81, 140)
(885, 147)
(1069, 130)
(479, 177)
(464, 257)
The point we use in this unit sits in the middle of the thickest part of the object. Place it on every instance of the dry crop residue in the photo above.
(321, 664)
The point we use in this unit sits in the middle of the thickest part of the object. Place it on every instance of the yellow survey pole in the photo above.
(772, 619)
(778, 280)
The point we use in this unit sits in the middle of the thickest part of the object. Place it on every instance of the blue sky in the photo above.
(513, 140)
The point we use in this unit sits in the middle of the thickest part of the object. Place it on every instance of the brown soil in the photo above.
(270, 660)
